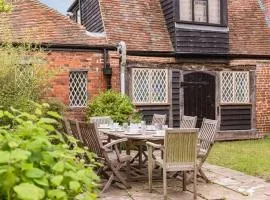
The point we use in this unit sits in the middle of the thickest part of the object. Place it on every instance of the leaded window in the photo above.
(24, 74)
(149, 85)
(235, 87)
(78, 88)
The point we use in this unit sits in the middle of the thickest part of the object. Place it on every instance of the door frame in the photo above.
(215, 74)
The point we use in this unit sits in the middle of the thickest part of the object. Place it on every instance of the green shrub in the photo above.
(56, 105)
(113, 104)
(4, 7)
(36, 163)
(24, 76)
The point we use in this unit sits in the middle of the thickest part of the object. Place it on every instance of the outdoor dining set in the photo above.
(127, 151)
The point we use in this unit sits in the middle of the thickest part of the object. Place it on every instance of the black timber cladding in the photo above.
(236, 117)
(168, 12)
(91, 15)
(148, 111)
(176, 98)
(201, 41)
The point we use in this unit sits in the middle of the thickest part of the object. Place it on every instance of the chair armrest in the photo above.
(151, 144)
(115, 142)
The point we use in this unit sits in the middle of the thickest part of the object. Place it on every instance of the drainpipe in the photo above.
(122, 50)
(107, 70)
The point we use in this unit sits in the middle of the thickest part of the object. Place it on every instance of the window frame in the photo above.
(223, 15)
(235, 102)
(79, 16)
(69, 87)
(151, 102)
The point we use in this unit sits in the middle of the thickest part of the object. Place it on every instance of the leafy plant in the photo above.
(36, 163)
(114, 104)
(4, 7)
(24, 76)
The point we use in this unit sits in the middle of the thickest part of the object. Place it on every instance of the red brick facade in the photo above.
(263, 97)
(61, 62)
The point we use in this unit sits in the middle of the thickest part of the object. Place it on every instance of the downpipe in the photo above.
(122, 50)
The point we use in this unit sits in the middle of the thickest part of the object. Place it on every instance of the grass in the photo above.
(251, 157)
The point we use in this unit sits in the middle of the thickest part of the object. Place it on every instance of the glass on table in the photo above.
(125, 126)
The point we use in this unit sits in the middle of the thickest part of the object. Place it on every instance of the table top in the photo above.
(141, 135)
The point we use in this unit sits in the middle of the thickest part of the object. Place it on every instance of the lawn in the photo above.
(251, 157)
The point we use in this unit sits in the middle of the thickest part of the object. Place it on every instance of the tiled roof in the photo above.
(34, 22)
(140, 23)
(249, 33)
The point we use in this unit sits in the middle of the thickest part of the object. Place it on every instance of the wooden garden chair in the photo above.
(102, 120)
(65, 126)
(159, 119)
(108, 154)
(188, 122)
(73, 124)
(179, 154)
(207, 135)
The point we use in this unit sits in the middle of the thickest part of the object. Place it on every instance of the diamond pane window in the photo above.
(150, 85)
(78, 88)
(23, 76)
(235, 87)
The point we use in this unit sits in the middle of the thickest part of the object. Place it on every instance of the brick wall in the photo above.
(263, 98)
(61, 62)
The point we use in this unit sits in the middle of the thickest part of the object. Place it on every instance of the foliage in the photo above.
(114, 104)
(250, 157)
(24, 76)
(4, 7)
(36, 163)
(56, 105)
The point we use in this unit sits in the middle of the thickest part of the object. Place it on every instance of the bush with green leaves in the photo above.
(114, 104)
(4, 6)
(24, 76)
(36, 163)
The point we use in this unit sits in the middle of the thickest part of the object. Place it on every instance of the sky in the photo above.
(60, 5)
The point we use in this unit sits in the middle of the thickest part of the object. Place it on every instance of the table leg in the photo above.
(128, 146)
(140, 155)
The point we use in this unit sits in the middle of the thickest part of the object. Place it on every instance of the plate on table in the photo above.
(159, 134)
(150, 128)
(117, 130)
(104, 126)
(133, 133)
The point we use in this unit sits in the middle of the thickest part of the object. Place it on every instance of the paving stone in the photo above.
(227, 184)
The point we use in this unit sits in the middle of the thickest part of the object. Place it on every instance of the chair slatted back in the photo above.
(207, 133)
(91, 138)
(188, 122)
(180, 146)
(65, 126)
(101, 120)
(74, 127)
(159, 119)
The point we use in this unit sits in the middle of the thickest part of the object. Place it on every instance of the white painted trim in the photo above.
(202, 27)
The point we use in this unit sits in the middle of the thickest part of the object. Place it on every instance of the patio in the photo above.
(226, 184)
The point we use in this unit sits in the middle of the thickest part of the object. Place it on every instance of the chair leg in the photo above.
(108, 184)
(204, 177)
(150, 174)
(119, 177)
(165, 183)
(195, 183)
(184, 181)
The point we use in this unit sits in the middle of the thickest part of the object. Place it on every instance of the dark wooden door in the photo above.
(199, 96)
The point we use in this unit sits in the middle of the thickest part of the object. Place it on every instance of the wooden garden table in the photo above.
(134, 140)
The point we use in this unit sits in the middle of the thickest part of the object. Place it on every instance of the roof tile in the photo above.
(34, 22)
